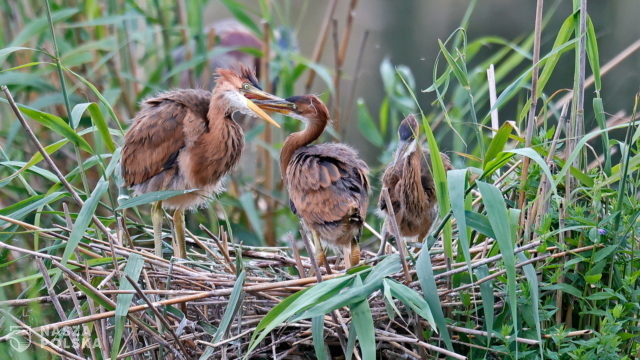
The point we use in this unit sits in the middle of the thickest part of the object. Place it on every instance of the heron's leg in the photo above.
(354, 257)
(320, 256)
(179, 247)
(346, 256)
(385, 236)
(156, 219)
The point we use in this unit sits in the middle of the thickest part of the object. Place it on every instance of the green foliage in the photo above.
(584, 267)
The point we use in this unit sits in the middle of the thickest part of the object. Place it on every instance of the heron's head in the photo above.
(308, 108)
(408, 129)
(240, 89)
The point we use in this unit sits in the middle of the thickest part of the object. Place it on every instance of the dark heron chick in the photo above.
(187, 139)
(410, 185)
(327, 183)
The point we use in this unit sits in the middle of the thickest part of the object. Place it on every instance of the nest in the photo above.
(181, 308)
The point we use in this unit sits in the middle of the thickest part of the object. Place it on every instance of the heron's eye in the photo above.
(245, 86)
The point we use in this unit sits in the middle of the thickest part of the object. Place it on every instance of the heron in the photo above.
(187, 139)
(410, 185)
(328, 183)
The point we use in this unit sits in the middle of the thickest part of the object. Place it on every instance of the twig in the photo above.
(163, 320)
(485, 334)
(49, 345)
(389, 336)
(446, 274)
(226, 341)
(519, 265)
(181, 299)
(220, 247)
(104, 298)
(402, 247)
(343, 333)
(56, 304)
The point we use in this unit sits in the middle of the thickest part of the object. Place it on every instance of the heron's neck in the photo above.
(219, 108)
(311, 132)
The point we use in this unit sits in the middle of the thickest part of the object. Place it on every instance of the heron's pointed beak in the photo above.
(261, 113)
(278, 105)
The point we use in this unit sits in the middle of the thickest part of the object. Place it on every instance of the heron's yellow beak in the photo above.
(261, 113)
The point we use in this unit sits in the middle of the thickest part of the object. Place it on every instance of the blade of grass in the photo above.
(497, 213)
(82, 222)
(486, 293)
(532, 279)
(292, 304)
(424, 269)
(98, 121)
(151, 197)
(362, 321)
(317, 334)
(23, 208)
(55, 124)
(235, 301)
(413, 300)
(123, 301)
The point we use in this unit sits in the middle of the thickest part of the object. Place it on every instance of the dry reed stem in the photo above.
(356, 77)
(322, 39)
(541, 204)
(402, 247)
(493, 335)
(337, 74)
(389, 336)
(56, 304)
(532, 110)
(50, 346)
(162, 319)
(491, 79)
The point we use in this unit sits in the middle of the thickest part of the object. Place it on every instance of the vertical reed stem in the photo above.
(531, 119)
(270, 231)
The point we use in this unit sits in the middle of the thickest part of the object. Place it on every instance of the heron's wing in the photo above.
(328, 183)
(157, 135)
(425, 176)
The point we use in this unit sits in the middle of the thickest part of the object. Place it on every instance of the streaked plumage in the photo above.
(187, 139)
(327, 183)
(410, 184)
(170, 147)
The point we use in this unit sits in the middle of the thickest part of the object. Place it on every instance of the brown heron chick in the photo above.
(410, 185)
(327, 183)
(187, 139)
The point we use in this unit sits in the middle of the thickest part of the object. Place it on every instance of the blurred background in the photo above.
(118, 52)
(407, 33)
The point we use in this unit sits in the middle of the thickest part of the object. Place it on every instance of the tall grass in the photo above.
(533, 256)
